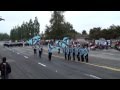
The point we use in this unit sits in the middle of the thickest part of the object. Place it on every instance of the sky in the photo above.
(81, 20)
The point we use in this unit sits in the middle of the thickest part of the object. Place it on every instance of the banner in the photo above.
(35, 40)
(61, 44)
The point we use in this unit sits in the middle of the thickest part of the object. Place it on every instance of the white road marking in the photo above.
(93, 76)
(42, 64)
(26, 57)
(18, 53)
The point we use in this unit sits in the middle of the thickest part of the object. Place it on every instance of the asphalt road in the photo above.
(103, 64)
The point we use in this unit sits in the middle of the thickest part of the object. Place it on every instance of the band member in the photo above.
(35, 50)
(73, 53)
(40, 51)
(86, 51)
(78, 53)
(69, 53)
(82, 53)
(58, 50)
(65, 51)
(49, 52)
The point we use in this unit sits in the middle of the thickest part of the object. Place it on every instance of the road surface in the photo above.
(103, 64)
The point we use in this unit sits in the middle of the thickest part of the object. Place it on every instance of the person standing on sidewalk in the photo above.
(5, 69)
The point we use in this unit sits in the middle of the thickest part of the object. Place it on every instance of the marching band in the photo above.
(70, 50)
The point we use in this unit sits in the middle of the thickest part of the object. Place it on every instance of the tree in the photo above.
(36, 26)
(58, 27)
(26, 31)
(4, 36)
(31, 28)
(56, 24)
(113, 32)
(104, 34)
(47, 32)
(84, 32)
(95, 33)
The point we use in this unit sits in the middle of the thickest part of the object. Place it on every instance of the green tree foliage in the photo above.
(36, 26)
(58, 27)
(48, 34)
(26, 31)
(95, 33)
(113, 32)
(4, 36)
(84, 32)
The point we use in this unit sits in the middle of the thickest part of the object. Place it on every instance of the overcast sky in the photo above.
(81, 20)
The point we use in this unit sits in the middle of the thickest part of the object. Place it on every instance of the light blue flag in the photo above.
(66, 40)
(60, 44)
(52, 48)
(34, 40)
